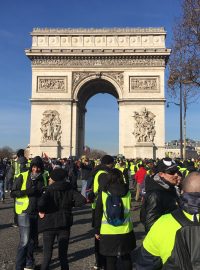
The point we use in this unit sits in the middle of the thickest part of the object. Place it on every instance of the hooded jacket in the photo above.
(57, 202)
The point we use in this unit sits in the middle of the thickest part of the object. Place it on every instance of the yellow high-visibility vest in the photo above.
(96, 186)
(21, 204)
(126, 227)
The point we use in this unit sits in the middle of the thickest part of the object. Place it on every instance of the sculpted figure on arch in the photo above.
(144, 128)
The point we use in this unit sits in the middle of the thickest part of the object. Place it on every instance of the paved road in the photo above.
(81, 247)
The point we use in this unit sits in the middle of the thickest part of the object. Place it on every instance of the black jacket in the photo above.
(102, 177)
(57, 203)
(85, 171)
(113, 245)
(34, 189)
(159, 200)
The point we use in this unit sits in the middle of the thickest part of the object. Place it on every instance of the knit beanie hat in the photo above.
(37, 161)
(58, 174)
(107, 160)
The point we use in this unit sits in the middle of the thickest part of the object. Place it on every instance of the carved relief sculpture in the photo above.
(79, 76)
(140, 84)
(51, 84)
(51, 126)
(144, 129)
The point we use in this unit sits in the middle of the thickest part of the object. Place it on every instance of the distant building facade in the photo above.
(172, 149)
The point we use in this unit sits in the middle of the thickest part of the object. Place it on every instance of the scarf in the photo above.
(190, 202)
(34, 176)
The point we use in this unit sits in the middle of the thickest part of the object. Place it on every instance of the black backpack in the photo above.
(114, 210)
(186, 252)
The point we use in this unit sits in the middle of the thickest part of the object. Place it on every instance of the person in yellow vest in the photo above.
(115, 240)
(27, 189)
(158, 248)
(160, 192)
(98, 182)
(20, 163)
(122, 167)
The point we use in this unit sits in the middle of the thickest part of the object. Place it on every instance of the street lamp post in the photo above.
(181, 121)
(181, 118)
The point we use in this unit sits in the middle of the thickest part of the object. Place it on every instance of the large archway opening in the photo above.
(98, 117)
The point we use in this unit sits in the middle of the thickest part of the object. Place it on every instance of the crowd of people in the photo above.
(45, 191)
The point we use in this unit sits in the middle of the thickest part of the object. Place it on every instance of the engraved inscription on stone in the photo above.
(144, 127)
(144, 84)
(52, 84)
(51, 126)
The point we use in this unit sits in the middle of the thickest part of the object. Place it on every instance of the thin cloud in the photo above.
(6, 34)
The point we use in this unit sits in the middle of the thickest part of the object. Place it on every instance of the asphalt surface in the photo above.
(81, 245)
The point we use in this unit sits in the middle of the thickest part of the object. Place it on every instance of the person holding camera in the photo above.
(85, 171)
(27, 189)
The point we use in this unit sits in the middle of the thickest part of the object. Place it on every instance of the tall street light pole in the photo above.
(181, 121)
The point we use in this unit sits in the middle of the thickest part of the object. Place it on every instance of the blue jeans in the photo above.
(83, 189)
(28, 232)
(1, 190)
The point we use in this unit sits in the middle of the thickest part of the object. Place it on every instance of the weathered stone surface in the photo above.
(69, 66)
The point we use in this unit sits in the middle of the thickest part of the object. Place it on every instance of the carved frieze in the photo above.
(144, 127)
(51, 126)
(52, 84)
(144, 84)
(77, 77)
(96, 61)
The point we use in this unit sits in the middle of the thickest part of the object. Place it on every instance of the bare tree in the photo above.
(183, 77)
(96, 153)
(6, 152)
(190, 24)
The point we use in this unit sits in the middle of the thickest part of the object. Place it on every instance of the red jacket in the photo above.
(140, 175)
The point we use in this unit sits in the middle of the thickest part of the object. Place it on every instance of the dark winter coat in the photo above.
(159, 200)
(119, 244)
(57, 203)
(103, 181)
(22, 164)
(85, 171)
(34, 189)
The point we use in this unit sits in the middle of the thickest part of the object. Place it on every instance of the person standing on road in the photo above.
(173, 240)
(161, 196)
(27, 188)
(2, 179)
(85, 170)
(98, 182)
(115, 240)
(55, 211)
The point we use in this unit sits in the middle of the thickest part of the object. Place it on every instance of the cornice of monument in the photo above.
(98, 61)
(96, 31)
(66, 52)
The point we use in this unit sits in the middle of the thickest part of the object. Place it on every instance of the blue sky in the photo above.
(17, 20)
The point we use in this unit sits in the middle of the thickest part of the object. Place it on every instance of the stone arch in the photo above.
(85, 89)
(97, 77)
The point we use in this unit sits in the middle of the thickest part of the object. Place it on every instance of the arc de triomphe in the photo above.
(69, 66)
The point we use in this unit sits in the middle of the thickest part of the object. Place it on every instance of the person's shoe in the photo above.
(29, 267)
(14, 225)
(96, 267)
